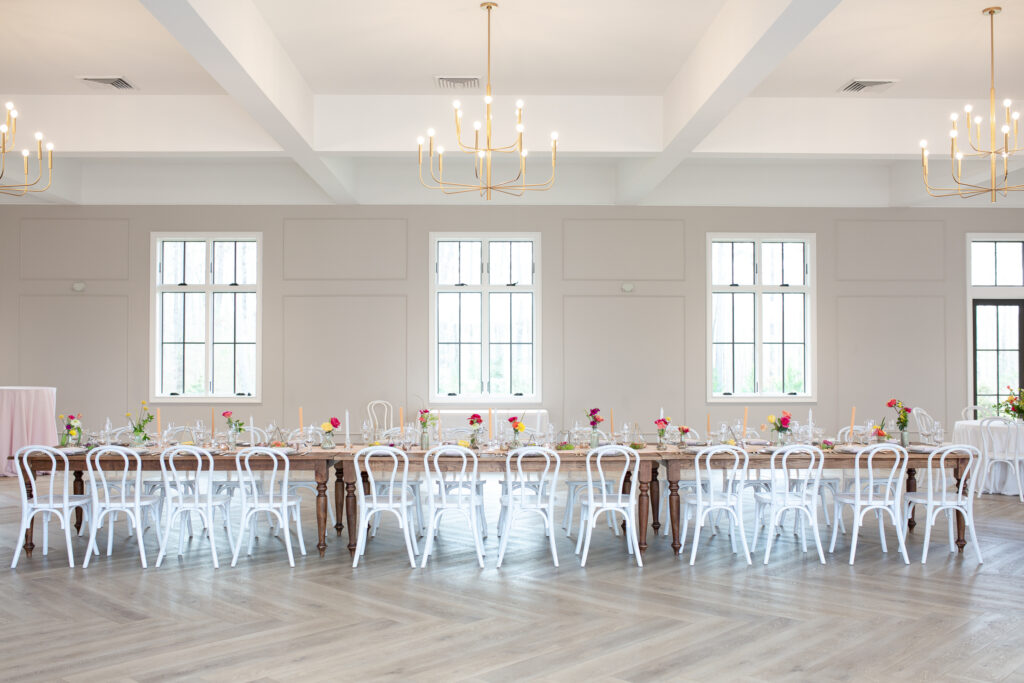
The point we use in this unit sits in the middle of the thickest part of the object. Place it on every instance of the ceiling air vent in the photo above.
(457, 82)
(112, 81)
(861, 84)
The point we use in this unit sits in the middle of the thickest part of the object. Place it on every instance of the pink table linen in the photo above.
(27, 417)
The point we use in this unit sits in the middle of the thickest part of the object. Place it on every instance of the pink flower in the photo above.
(891, 403)
(335, 422)
(784, 421)
(513, 420)
(475, 419)
(226, 413)
(67, 427)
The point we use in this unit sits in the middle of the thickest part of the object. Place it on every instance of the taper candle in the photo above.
(490, 424)
(159, 428)
(401, 417)
(707, 434)
(301, 422)
(745, 412)
(853, 418)
(347, 441)
(611, 421)
(213, 427)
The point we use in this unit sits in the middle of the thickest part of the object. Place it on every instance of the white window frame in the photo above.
(810, 314)
(155, 290)
(485, 289)
(982, 292)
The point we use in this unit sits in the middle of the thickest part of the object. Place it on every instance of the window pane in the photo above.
(771, 318)
(743, 263)
(448, 369)
(224, 369)
(744, 368)
(470, 327)
(721, 318)
(983, 264)
(223, 263)
(470, 368)
(195, 368)
(771, 263)
(499, 369)
(195, 263)
(985, 367)
(522, 317)
(793, 381)
(773, 370)
(447, 263)
(522, 263)
(245, 369)
(173, 314)
(743, 317)
(172, 263)
(246, 263)
(985, 321)
(721, 263)
(721, 368)
(195, 317)
(522, 369)
(223, 317)
(501, 263)
(1008, 327)
(1009, 374)
(500, 314)
(793, 260)
(447, 317)
(172, 364)
(470, 262)
(793, 306)
(1008, 264)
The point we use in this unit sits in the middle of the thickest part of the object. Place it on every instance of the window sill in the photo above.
(203, 400)
(781, 398)
(485, 401)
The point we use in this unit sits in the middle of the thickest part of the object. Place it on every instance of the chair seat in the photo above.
(850, 498)
(721, 499)
(216, 499)
(616, 502)
(921, 497)
(786, 499)
(453, 500)
(58, 501)
(528, 500)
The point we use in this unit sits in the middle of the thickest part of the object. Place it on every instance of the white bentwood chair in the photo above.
(55, 501)
(452, 487)
(704, 499)
(946, 494)
(879, 493)
(182, 492)
(793, 487)
(277, 501)
(390, 494)
(115, 479)
(604, 495)
(924, 422)
(381, 415)
(526, 495)
(1001, 444)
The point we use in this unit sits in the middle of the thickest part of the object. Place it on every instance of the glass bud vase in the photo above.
(327, 443)
(904, 438)
(661, 440)
(139, 438)
(424, 439)
(232, 439)
(594, 438)
(64, 439)
(474, 439)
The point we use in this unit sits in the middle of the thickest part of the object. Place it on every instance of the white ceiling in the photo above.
(657, 102)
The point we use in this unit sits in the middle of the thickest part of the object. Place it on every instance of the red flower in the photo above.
(513, 420)
(226, 413)
(71, 417)
(784, 420)
(475, 419)
(907, 410)
(335, 422)
(595, 411)
(67, 427)
(891, 403)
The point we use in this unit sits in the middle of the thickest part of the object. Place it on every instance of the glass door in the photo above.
(998, 331)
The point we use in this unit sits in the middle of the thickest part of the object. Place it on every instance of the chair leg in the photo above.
(477, 541)
(287, 535)
(837, 514)
(403, 520)
(881, 529)
(549, 520)
(46, 533)
(298, 529)
(66, 524)
(429, 545)
(743, 534)
(685, 524)
(899, 533)
(137, 518)
(857, 520)
(20, 540)
(591, 521)
(817, 537)
(929, 522)
(950, 523)
(698, 524)
(769, 536)
(163, 541)
(581, 532)
(631, 525)
(361, 525)
(974, 536)
(505, 522)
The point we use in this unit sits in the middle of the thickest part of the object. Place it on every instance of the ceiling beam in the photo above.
(746, 41)
(233, 42)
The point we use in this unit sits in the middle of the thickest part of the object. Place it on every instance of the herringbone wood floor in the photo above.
(795, 619)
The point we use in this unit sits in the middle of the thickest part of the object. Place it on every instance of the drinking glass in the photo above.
(938, 435)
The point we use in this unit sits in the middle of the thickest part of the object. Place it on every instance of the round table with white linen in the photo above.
(26, 419)
(1001, 479)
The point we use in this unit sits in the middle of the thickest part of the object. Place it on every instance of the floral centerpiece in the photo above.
(564, 446)
(476, 423)
(1013, 406)
(235, 428)
(662, 424)
(684, 432)
(878, 431)
(902, 418)
(594, 418)
(72, 429)
(780, 425)
(517, 428)
(426, 419)
(138, 425)
(827, 445)
(328, 428)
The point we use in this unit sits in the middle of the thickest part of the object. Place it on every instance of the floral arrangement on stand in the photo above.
(72, 430)
(426, 419)
(780, 425)
(902, 418)
(138, 426)
(594, 418)
(517, 428)
(327, 443)
(662, 424)
(477, 424)
(1013, 406)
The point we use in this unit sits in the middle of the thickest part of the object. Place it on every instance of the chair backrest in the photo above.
(115, 473)
(942, 487)
(844, 436)
(381, 414)
(796, 469)
(119, 433)
(181, 464)
(975, 412)
(58, 469)
(735, 473)
(455, 467)
(518, 477)
(1000, 437)
(256, 435)
(179, 434)
(924, 422)
(392, 466)
(597, 461)
(277, 466)
(884, 485)
(694, 435)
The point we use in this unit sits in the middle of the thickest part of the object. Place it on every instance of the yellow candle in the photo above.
(300, 417)
(853, 416)
(611, 421)
(745, 411)
(401, 417)
(708, 433)
(212, 418)
(159, 430)
(490, 424)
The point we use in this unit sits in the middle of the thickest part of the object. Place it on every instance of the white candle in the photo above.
(252, 431)
(538, 421)
(661, 413)
(347, 443)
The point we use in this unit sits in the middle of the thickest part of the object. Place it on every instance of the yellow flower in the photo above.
(520, 426)
(61, 417)
(463, 443)
(326, 426)
(143, 403)
(71, 432)
(127, 414)
(771, 419)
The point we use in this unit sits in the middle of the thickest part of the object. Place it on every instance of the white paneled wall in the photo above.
(345, 305)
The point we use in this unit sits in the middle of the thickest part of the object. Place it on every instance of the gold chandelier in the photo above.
(483, 155)
(998, 183)
(8, 131)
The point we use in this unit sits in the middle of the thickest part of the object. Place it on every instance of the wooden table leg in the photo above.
(78, 488)
(911, 488)
(643, 503)
(29, 545)
(350, 508)
(320, 471)
(655, 498)
(961, 525)
(339, 496)
(672, 471)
